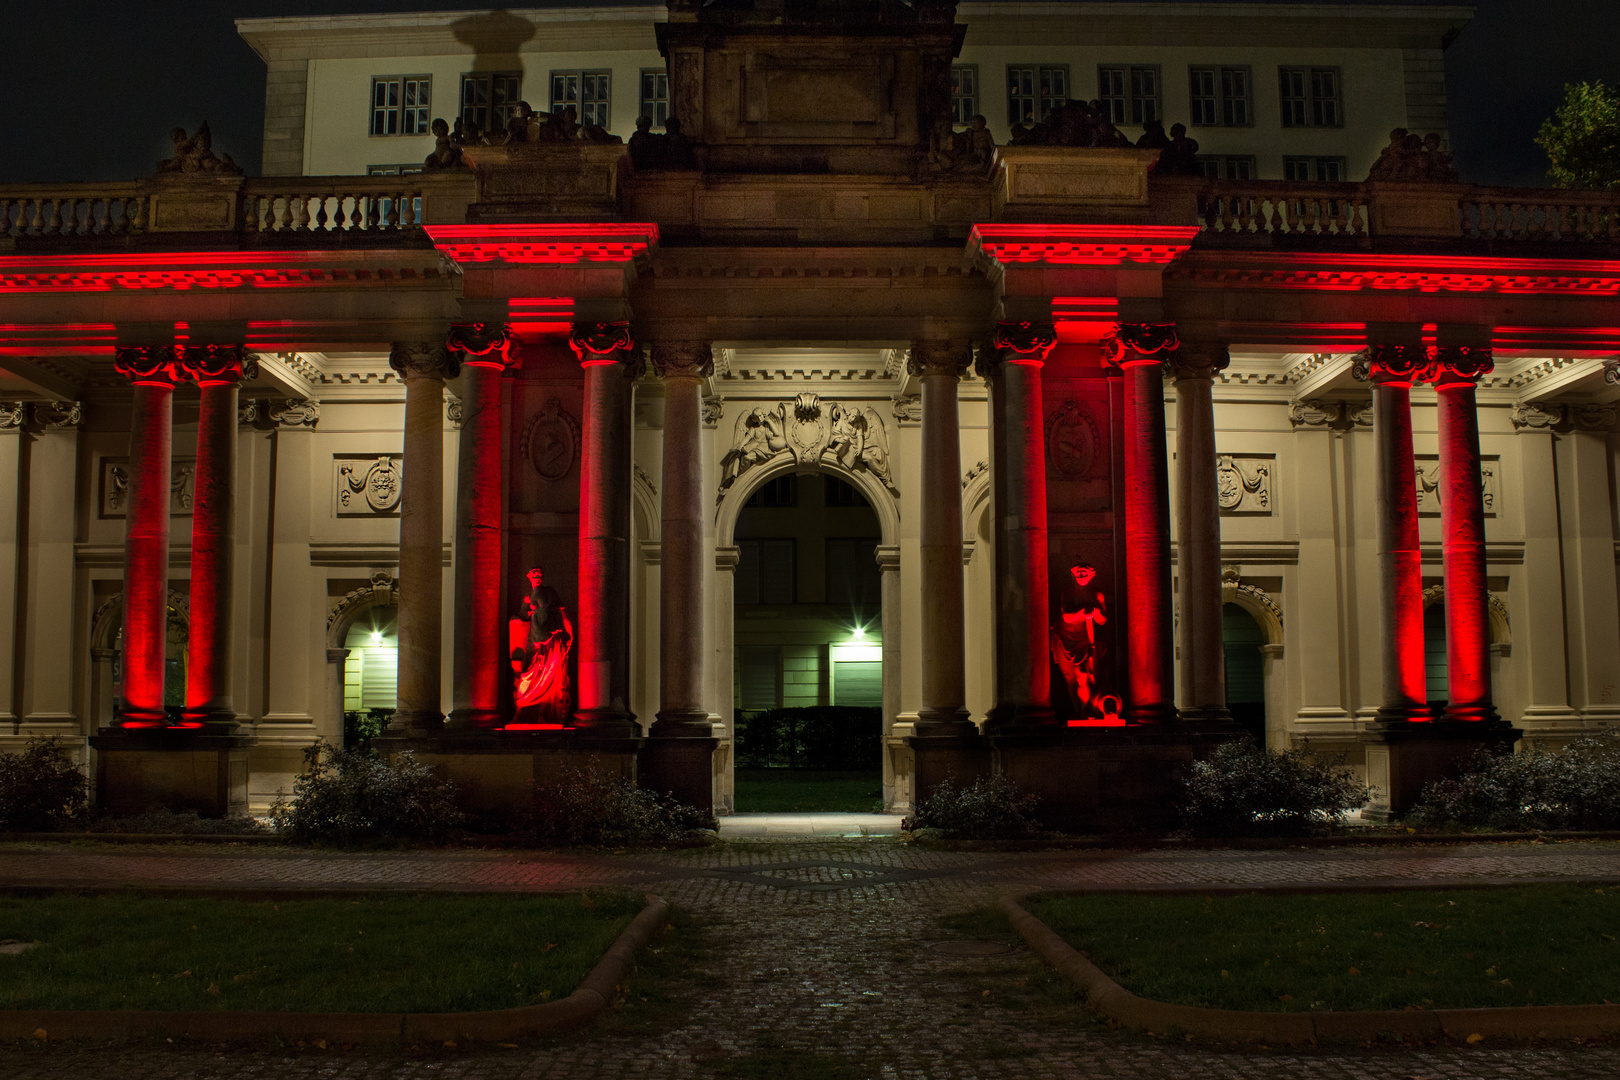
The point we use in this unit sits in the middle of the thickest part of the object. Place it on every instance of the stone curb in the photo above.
(1116, 1003)
(576, 1010)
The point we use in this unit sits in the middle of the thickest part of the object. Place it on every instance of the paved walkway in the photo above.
(783, 826)
(823, 958)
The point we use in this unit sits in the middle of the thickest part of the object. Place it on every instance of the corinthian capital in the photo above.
(214, 364)
(1392, 364)
(1199, 361)
(1024, 342)
(1135, 343)
(149, 365)
(484, 345)
(423, 360)
(683, 359)
(12, 414)
(602, 342)
(940, 356)
(1452, 364)
(1611, 371)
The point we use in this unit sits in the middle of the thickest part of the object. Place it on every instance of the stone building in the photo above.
(1136, 421)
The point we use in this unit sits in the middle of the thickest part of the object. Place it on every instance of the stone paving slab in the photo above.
(826, 953)
(784, 826)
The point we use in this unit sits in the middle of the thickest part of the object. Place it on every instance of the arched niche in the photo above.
(1258, 603)
(105, 625)
(383, 591)
(1501, 629)
(736, 497)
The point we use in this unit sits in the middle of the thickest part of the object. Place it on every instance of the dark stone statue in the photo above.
(446, 150)
(540, 640)
(650, 152)
(196, 155)
(1073, 123)
(1411, 158)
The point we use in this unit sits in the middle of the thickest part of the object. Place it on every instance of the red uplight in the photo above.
(608, 241)
(1083, 245)
(535, 727)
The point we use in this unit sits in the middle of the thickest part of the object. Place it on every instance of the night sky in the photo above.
(90, 88)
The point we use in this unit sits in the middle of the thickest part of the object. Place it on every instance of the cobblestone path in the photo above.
(835, 959)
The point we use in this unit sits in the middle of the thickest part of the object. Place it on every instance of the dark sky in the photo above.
(89, 88)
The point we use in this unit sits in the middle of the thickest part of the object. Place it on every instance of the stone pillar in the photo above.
(1139, 350)
(940, 365)
(602, 625)
(1018, 473)
(1456, 371)
(1198, 531)
(424, 366)
(218, 371)
(12, 415)
(46, 687)
(683, 366)
(153, 371)
(1392, 369)
(486, 352)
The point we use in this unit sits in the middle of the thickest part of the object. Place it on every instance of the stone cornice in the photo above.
(1357, 272)
(181, 270)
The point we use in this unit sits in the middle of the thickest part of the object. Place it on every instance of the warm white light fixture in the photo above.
(376, 637)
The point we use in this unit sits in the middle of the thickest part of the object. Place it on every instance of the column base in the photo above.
(1470, 714)
(608, 723)
(1404, 758)
(1010, 718)
(185, 770)
(944, 723)
(496, 771)
(1395, 715)
(682, 724)
(473, 720)
(1217, 715)
(681, 767)
(1140, 715)
(408, 722)
(936, 758)
(217, 720)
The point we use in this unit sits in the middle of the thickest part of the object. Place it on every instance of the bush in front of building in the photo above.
(42, 789)
(360, 727)
(1577, 787)
(812, 737)
(990, 808)
(587, 808)
(1244, 789)
(353, 797)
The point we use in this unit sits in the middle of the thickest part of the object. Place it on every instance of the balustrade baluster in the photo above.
(357, 216)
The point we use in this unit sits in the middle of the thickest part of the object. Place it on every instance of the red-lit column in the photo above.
(1018, 472)
(602, 628)
(1393, 369)
(683, 365)
(1198, 532)
(485, 352)
(1139, 349)
(424, 366)
(218, 371)
(940, 365)
(152, 371)
(1456, 371)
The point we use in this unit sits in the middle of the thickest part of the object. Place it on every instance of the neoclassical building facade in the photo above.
(1131, 427)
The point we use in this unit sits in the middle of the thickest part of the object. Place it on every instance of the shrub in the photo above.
(354, 797)
(1243, 789)
(41, 789)
(1577, 787)
(359, 728)
(584, 807)
(991, 808)
(158, 820)
(815, 737)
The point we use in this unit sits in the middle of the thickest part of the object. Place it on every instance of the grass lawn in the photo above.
(421, 952)
(1525, 945)
(777, 791)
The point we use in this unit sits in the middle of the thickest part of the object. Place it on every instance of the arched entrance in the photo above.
(1436, 668)
(804, 557)
(107, 657)
(1242, 637)
(370, 673)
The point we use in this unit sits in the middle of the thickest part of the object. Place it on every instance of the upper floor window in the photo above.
(964, 92)
(655, 96)
(1328, 170)
(766, 572)
(588, 91)
(394, 170)
(1129, 95)
(489, 99)
(1226, 166)
(1310, 97)
(400, 104)
(1220, 96)
(783, 491)
(1032, 92)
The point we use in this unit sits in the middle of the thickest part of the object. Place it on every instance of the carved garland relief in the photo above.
(1243, 483)
(115, 479)
(1072, 440)
(367, 485)
(811, 430)
(1427, 468)
(551, 441)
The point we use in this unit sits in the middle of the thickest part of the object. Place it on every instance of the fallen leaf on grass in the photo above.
(548, 946)
(213, 988)
(39, 1033)
(1285, 997)
(1476, 1037)
(1355, 971)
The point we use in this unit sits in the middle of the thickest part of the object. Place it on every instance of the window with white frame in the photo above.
(1033, 91)
(1220, 96)
(400, 104)
(1226, 166)
(588, 91)
(1329, 170)
(964, 92)
(655, 96)
(1310, 97)
(489, 99)
(1129, 94)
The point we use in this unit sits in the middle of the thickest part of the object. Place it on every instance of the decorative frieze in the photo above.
(366, 485)
(979, 468)
(1594, 417)
(1537, 417)
(1073, 440)
(1428, 484)
(57, 415)
(1243, 483)
(908, 410)
(551, 441)
(809, 430)
(115, 477)
(713, 409)
(294, 413)
(1611, 371)
(11, 414)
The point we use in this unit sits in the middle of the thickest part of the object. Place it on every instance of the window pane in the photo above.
(1330, 170)
(1021, 95)
(1296, 168)
(1144, 95)
(1240, 168)
(776, 571)
(1235, 97)
(745, 584)
(1111, 92)
(1292, 86)
(1202, 82)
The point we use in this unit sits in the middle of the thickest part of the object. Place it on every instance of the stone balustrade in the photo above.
(101, 210)
(1279, 207)
(1541, 214)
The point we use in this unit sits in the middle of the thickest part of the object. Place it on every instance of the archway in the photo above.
(1242, 638)
(1436, 668)
(370, 673)
(808, 675)
(107, 657)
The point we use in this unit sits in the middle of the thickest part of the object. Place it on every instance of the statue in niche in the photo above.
(1076, 643)
(540, 639)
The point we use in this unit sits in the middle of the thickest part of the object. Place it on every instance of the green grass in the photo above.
(778, 791)
(1524, 945)
(420, 953)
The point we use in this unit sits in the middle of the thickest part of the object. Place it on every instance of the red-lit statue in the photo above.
(1076, 642)
(540, 642)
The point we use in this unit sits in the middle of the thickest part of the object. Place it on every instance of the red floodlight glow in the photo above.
(604, 241)
(535, 727)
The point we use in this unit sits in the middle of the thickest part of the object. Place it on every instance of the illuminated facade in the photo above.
(1125, 435)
